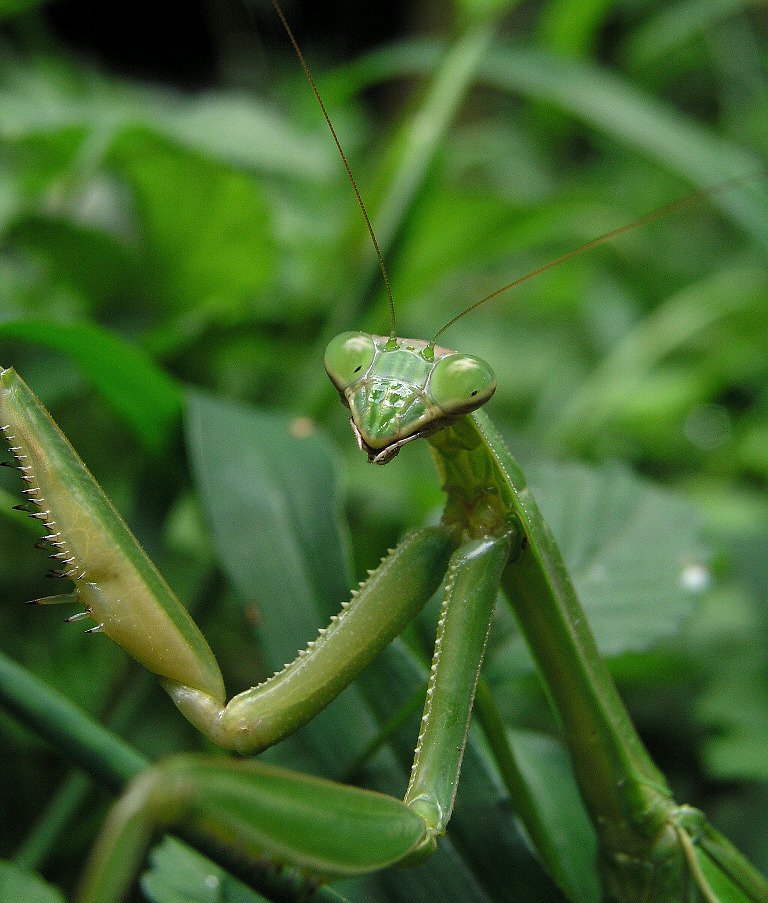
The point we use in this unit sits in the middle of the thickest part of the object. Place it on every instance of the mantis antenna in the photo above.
(311, 80)
(646, 219)
(660, 213)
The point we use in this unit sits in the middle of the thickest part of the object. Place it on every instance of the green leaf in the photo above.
(141, 394)
(546, 768)
(605, 102)
(739, 748)
(90, 261)
(17, 884)
(45, 154)
(207, 226)
(269, 484)
(572, 26)
(614, 388)
(645, 123)
(633, 550)
(674, 24)
(181, 875)
(737, 745)
(485, 9)
(240, 131)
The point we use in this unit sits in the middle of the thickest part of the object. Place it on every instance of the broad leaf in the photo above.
(737, 745)
(90, 261)
(269, 494)
(241, 131)
(633, 550)
(180, 875)
(546, 768)
(18, 884)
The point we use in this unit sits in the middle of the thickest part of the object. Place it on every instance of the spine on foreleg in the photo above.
(376, 613)
(122, 591)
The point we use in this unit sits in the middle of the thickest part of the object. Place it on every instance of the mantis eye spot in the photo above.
(460, 383)
(347, 355)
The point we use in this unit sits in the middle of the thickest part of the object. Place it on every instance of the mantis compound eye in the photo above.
(348, 358)
(461, 383)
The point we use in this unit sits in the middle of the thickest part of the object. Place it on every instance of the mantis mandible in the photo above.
(491, 536)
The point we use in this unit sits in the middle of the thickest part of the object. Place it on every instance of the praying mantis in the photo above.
(491, 535)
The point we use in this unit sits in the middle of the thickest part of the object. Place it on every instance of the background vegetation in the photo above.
(173, 214)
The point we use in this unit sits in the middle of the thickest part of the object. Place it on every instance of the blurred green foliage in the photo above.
(154, 237)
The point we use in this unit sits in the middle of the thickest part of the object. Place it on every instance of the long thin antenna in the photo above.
(651, 217)
(311, 80)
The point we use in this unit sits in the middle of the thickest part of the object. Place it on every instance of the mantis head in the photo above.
(403, 389)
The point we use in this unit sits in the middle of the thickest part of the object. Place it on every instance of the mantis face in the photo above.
(404, 389)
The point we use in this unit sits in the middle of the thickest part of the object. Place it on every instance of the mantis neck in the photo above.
(626, 794)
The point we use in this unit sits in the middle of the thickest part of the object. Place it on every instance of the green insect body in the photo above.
(492, 537)
(122, 591)
(112, 572)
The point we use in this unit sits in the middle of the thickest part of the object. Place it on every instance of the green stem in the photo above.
(72, 793)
